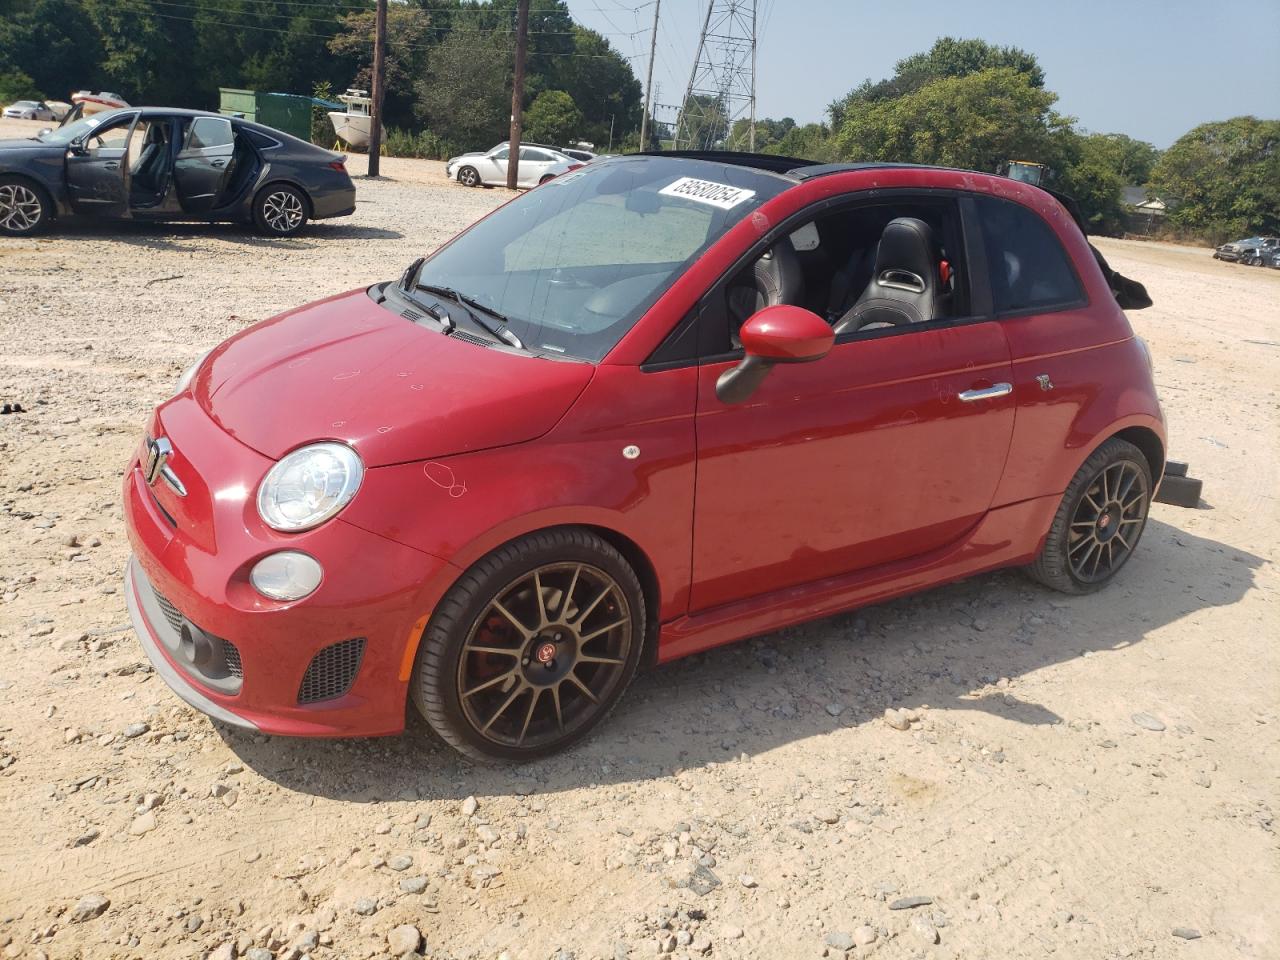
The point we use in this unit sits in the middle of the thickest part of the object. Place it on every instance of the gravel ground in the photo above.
(1089, 777)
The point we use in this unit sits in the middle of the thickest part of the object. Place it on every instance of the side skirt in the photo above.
(1007, 536)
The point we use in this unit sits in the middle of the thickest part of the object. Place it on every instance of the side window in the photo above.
(209, 132)
(500, 154)
(115, 137)
(864, 267)
(1029, 269)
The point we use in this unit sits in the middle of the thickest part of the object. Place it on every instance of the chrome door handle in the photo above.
(987, 393)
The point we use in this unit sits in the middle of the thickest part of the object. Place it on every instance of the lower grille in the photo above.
(332, 671)
(210, 658)
(232, 656)
(171, 613)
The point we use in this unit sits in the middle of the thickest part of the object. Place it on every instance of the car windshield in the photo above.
(573, 264)
(25, 103)
(75, 130)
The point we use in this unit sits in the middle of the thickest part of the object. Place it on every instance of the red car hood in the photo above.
(348, 369)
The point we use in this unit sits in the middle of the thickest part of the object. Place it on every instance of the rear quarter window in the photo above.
(1029, 268)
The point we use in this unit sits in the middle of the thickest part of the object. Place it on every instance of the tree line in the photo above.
(970, 104)
(962, 103)
(449, 62)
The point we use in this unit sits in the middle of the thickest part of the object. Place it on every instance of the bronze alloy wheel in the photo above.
(1099, 520)
(544, 658)
(1107, 520)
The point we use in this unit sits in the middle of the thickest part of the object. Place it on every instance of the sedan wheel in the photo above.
(532, 648)
(469, 177)
(1099, 522)
(23, 210)
(280, 211)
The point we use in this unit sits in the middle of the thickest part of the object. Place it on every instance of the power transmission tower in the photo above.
(722, 84)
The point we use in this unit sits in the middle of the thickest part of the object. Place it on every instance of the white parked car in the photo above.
(538, 164)
(29, 110)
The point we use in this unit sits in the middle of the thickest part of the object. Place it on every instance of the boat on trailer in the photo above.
(90, 103)
(354, 124)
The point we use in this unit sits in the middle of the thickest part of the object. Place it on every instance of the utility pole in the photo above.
(379, 86)
(648, 84)
(517, 94)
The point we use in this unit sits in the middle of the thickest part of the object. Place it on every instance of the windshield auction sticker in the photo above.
(707, 191)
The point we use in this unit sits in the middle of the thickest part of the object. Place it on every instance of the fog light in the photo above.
(287, 575)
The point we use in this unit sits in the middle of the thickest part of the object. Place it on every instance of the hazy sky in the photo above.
(1149, 69)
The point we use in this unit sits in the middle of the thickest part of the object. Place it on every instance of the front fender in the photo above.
(460, 508)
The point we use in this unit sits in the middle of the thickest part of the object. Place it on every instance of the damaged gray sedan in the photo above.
(153, 163)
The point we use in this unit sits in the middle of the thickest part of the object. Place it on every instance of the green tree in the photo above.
(602, 85)
(410, 31)
(465, 96)
(809, 142)
(974, 122)
(947, 58)
(1223, 178)
(552, 118)
(1130, 159)
(16, 85)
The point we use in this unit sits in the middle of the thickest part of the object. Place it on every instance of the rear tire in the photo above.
(532, 647)
(24, 207)
(1099, 522)
(280, 210)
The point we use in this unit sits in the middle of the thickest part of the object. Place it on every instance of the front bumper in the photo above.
(188, 579)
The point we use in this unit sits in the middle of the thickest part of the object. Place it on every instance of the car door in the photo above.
(889, 448)
(493, 170)
(97, 169)
(204, 163)
(534, 164)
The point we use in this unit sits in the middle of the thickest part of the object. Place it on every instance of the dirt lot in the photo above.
(747, 803)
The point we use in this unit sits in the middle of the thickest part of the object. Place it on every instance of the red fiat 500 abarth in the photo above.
(656, 405)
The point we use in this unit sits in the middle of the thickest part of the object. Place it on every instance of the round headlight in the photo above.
(287, 575)
(309, 486)
(189, 374)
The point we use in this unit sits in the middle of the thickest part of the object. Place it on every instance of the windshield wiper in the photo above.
(430, 309)
(471, 306)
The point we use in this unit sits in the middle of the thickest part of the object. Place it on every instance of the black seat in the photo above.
(905, 283)
(776, 277)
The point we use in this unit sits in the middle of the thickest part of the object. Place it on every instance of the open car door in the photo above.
(98, 169)
(204, 163)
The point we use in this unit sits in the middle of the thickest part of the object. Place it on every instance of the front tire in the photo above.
(280, 210)
(24, 208)
(469, 177)
(532, 647)
(1099, 522)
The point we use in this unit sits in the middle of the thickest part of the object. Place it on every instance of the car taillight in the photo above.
(339, 165)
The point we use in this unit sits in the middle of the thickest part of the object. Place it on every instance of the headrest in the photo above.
(907, 256)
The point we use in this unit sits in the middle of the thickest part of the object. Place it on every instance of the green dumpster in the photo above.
(284, 111)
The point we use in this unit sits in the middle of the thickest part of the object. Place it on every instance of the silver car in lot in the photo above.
(1253, 251)
(538, 164)
(29, 110)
